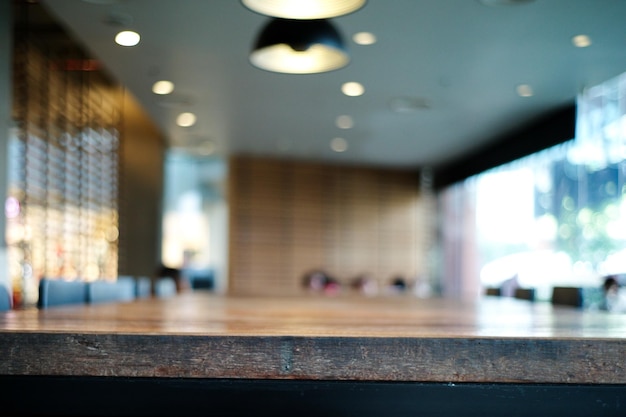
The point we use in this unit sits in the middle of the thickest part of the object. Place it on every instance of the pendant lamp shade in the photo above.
(304, 9)
(299, 47)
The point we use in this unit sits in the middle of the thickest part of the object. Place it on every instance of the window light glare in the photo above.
(127, 38)
(186, 119)
(353, 89)
(339, 145)
(581, 41)
(364, 38)
(163, 87)
(344, 122)
(524, 90)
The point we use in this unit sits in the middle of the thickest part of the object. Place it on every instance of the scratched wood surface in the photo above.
(199, 335)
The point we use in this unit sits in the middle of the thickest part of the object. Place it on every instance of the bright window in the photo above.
(554, 218)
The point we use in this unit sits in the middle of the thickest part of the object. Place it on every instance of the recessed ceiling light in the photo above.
(352, 89)
(207, 148)
(524, 90)
(581, 41)
(186, 119)
(344, 122)
(339, 145)
(127, 38)
(364, 38)
(163, 87)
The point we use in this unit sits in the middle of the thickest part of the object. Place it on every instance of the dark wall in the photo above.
(141, 191)
(551, 129)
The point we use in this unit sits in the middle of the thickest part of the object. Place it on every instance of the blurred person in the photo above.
(318, 281)
(364, 284)
(398, 285)
(614, 295)
(508, 286)
(182, 284)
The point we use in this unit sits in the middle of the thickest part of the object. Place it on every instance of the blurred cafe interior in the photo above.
(457, 148)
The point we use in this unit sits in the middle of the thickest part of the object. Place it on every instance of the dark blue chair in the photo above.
(57, 292)
(202, 281)
(5, 298)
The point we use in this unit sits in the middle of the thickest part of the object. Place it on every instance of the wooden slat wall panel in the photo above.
(290, 217)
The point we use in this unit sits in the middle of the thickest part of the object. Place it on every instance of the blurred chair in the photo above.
(165, 287)
(567, 296)
(102, 292)
(525, 294)
(57, 292)
(492, 291)
(143, 287)
(127, 288)
(108, 292)
(202, 282)
(5, 298)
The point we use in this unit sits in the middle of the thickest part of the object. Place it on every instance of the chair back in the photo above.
(108, 292)
(165, 287)
(143, 288)
(5, 298)
(57, 292)
(127, 287)
(567, 296)
(492, 291)
(525, 294)
(202, 281)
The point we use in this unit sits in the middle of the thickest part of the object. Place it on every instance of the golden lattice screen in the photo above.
(63, 192)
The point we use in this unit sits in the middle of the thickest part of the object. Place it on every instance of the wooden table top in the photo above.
(199, 335)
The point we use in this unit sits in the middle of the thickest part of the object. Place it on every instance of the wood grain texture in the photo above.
(383, 339)
(288, 218)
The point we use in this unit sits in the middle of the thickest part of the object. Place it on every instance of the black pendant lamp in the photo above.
(304, 9)
(299, 47)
